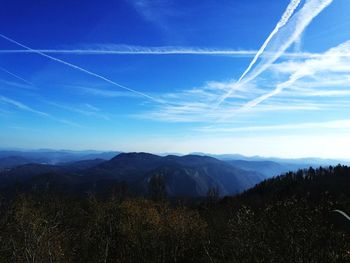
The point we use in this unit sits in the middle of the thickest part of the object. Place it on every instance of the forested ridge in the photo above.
(284, 219)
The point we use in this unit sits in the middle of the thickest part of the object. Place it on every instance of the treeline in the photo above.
(285, 219)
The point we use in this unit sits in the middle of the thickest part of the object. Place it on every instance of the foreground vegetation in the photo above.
(285, 219)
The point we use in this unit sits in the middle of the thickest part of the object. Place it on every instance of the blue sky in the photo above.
(254, 77)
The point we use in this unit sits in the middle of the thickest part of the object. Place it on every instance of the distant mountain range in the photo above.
(305, 161)
(11, 158)
(190, 175)
(272, 166)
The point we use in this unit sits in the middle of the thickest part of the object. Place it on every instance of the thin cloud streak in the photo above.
(321, 93)
(131, 50)
(155, 11)
(22, 106)
(284, 39)
(104, 93)
(17, 84)
(89, 110)
(193, 105)
(285, 18)
(134, 50)
(307, 68)
(198, 113)
(16, 76)
(82, 70)
(334, 124)
(25, 107)
(327, 75)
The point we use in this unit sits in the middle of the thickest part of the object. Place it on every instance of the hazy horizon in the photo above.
(87, 151)
(254, 78)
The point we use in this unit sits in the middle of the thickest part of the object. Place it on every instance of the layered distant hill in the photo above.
(12, 158)
(271, 166)
(189, 175)
(267, 166)
(91, 171)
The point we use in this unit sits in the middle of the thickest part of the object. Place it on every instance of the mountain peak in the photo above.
(136, 155)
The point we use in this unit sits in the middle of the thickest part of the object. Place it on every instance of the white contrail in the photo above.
(293, 5)
(157, 51)
(163, 51)
(143, 51)
(286, 36)
(22, 106)
(284, 19)
(16, 76)
(307, 68)
(82, 69)
(25, 107)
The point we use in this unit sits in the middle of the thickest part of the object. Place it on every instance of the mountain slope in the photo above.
(267, 168)
(189, 175)
(12, 161)
(56, 156)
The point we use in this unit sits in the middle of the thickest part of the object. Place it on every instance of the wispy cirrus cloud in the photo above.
(154, 11)
(17, 84)
(100, 92)
(21, 106)
(325, 76)
(334, 124)
(68, 122)
(193, 105)
(326, 64)
(319, 93)
(198, 112)
(84, 109)
(91, 107)
(16, 76)
(21, 82)
(320, 85)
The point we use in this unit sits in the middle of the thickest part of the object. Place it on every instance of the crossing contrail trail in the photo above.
(82, 70)
(293, 5)
(284, 19)
(310, 67)
(307, 68)
(281, 40)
